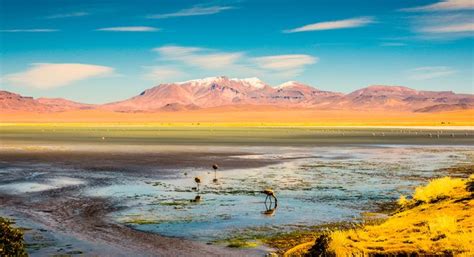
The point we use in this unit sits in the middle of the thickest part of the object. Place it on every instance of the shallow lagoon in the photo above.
(147, 185)
(316, 185)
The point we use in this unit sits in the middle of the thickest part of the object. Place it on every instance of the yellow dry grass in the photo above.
(439, 189)
(438, 220)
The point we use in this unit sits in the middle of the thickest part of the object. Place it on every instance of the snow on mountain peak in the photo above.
(288, 84)
(254, 82)
(203, 81)
(249, 82)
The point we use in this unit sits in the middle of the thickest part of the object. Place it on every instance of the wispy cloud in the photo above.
(163, 73)
(444, 20)
(450, 28)
(444, 27)
(194, 11)
(430, 72)
(211, 62)
(130, 29)
(51, 75)
(447, 5)
(28, 30)
(330, 25)
(285, 62)
(67, 15)
(200, 57)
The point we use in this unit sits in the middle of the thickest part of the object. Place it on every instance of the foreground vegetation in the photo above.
(438, 220)
(11, 239)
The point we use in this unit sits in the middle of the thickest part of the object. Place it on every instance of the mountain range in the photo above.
(223, 91)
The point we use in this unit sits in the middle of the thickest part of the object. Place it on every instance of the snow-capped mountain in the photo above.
(223, 91)
(219, 91)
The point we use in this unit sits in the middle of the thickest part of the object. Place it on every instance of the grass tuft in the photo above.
(439, 189)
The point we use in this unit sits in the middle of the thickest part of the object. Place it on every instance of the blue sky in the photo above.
(100, 51)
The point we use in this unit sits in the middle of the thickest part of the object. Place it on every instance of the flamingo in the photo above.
(198, 182)
(215, 167)
(270, 194)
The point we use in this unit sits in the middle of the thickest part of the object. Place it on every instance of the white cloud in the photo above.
(130, 29)
(211, 62)
(200, 57)
(28, 30)
(450, 28)
(444, 27)
(285, 62)
(194, 11)
(447, 5)
(446, 20)
(430, 72)
(51, 75)
(67, 15)
(163, 74)
(173, 50)
(329, 25)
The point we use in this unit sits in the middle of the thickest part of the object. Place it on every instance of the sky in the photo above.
(98, 51)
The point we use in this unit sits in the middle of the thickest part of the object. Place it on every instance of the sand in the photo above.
(255, 116)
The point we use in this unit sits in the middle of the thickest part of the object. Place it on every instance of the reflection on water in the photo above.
(313, 185)
(322, 185)
(270, 208)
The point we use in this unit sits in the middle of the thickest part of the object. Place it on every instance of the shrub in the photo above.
(11, 239)
(438, 189)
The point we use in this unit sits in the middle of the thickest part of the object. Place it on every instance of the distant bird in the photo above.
(270, 194)
(215, 167)
(198, 182)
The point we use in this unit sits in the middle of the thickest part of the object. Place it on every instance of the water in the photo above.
(316, 185)
(153, 186)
